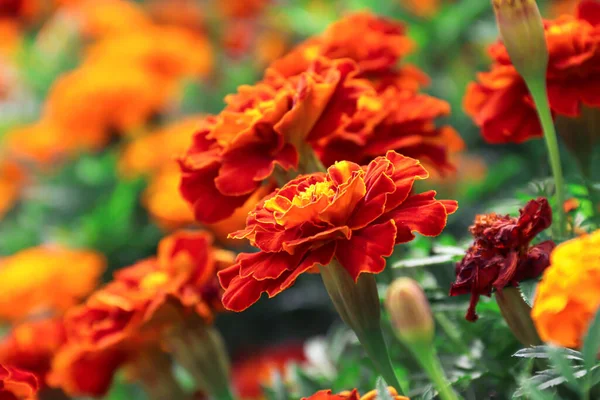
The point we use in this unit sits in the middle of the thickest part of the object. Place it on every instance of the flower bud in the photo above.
(409, 311)
(522, 30)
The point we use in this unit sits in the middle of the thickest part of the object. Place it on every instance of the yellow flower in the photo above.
(569, 294)
(43, 279)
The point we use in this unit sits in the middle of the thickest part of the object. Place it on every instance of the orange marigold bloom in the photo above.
(142, 302)
(500, 103)
(352, 395)
(108, 17)
(375, 43)
(42, 279)
(501, 254)
(32, 345)
(253, 371)
(149, 153)
(16, 384)
(241, 8)
(12, 178)
(568, 297)
(161, 50)
(355, 214)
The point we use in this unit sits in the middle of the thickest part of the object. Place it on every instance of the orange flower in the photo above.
(44, 279)
(315, 104)
(354, 214)
(90, 101)
(42, 142)
(16, 384)
(130, 314)
(255, 370)
(184, 13)
(376, 44)
(352, 395)
(500, 103)
(108, 17)
(32, 345)
(11, 181)
(164, 202)
(163, 51)
(568, 297)
(148, 154)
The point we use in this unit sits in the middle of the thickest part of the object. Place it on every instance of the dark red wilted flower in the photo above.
(501, 254)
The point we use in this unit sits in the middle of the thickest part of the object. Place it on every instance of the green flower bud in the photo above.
(522, 31)
(409, 311)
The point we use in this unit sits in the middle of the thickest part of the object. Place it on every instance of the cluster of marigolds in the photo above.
(316, 165)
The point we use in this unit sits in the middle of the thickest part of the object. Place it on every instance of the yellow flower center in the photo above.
(313, 193)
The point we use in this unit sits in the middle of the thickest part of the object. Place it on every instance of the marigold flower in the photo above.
(500, 103)
(131, 313)
(44, 279)
(31, 346)
(253, 371)
(12, 178)
(241, 8)
(352, 395)
(354, 214)
(161, 50)
(501, 254)
(568, 297)
(376, 44)
(16, 384)
(148, 153)
(108, 17)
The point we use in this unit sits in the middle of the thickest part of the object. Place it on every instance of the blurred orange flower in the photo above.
(241, 8)
(32, 345)
(12, 178)
(43, 279)
(499, 101)
(355, 214)
(353, 395)
(568, 297)
(16, 384)
(253, 371)
(108, 17)
(142, 302)
(149, 153)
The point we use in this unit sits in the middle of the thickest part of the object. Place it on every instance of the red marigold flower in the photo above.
(355, 214)
(16, 384)
(130, 314)
(500, 103)
(281, 121)
(32, 345)
(501, 254)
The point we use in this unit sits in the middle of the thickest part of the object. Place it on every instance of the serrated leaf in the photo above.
(532, 391)
(564, 367)
(527, 289)
(591, 344)
(425, 261)
(542, 352)
(382, 390)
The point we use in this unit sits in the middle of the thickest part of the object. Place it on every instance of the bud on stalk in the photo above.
(413, 324)
(522, 31)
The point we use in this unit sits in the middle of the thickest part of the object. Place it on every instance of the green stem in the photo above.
(358, 305)
(517, 315)
(427, 357)
(537, 88)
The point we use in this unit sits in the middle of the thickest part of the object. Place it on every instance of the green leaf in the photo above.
(531, 390)
(278, 390)
(591, 345)
(382, 390)
(564, 367)
(542, 352)
(307, 386)
(527, 289)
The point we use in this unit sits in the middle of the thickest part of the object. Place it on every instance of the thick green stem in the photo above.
(358, 305)
(537, 87)
(517, 315)
(427, 357)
